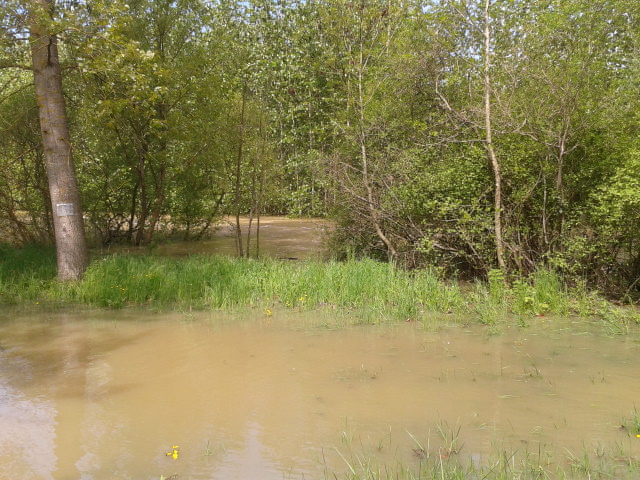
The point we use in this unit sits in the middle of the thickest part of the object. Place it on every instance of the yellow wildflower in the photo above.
(174, 453)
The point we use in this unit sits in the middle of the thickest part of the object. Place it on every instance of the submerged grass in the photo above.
(369, 290)
(502, 465)
(632, 423)
(441, 457)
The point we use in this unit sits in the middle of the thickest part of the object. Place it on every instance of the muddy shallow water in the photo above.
(280, 237)
(109, 394)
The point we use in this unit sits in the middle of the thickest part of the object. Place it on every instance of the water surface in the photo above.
(280, 237)
(102, 395)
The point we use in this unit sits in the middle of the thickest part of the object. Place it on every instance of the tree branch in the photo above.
(11, 64)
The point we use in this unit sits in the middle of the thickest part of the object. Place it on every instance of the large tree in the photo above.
(71, 246)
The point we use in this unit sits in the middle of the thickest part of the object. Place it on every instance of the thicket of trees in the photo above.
(467, 134)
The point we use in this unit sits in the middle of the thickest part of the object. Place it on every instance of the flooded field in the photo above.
(113, 395)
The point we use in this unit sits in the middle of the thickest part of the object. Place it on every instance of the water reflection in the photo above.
(27, 435)
(92, 397)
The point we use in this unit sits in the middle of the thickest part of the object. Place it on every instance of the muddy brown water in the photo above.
(106, 395)
(280, 237)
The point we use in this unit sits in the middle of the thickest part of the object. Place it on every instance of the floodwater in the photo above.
(107, 395)
(280, 237)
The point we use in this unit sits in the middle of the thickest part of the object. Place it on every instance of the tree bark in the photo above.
(241, 129)
(71, 245)
(364, 158)
(495, 165)
(159, 204)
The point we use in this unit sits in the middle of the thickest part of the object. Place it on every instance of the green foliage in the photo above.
(24, 192)
(603, 245)
(377, 289)
(485, 307)
(370, 112)
(497, 286)
(541, 293)
(146, 127)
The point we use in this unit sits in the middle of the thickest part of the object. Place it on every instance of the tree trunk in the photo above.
(364, 159)
(263, 179)
(159, 174)
(239, 173)
(144, 200)
(495, 165)
(157, 209)
(71, 245)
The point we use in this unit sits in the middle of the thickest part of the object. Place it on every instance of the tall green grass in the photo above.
(25, 273)
(371, 290)
(359, 284)
(196, 282)
(222, 282)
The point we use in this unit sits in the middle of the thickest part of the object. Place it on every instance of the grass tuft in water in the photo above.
(450, 438)
(632, 423)
(434, 461)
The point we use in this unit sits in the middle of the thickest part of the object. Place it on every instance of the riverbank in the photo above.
(363, 290)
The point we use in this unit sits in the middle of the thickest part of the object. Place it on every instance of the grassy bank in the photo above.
(371, 289)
